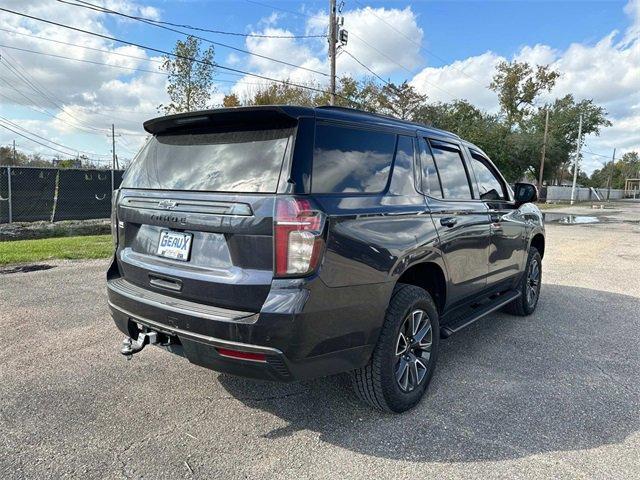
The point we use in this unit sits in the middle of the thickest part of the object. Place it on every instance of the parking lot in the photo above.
(554, 395)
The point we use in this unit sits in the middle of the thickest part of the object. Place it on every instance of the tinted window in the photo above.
(224, 162)
(490, 187)
(402, 182)
(430, 180)
(453, 175)
(350, 160)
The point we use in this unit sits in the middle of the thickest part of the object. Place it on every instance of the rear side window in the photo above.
(430, 181)
(453, 175)
(402, 181)
(248, 161)
(349, 160)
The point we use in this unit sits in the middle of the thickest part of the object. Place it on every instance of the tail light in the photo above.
(298, 241)
(114, 217)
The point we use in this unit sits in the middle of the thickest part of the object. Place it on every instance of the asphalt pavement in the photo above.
(554, 395)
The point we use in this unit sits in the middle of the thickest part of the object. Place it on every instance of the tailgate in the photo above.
(195, 211)
(230, 257)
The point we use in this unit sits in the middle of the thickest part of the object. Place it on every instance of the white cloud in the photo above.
(384, 54)
(467, 79)
(387, 40)
(92, 96)
(607, 72)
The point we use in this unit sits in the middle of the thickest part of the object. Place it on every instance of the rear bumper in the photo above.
(303, 330)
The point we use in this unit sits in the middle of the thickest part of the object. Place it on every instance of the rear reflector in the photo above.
(256, 357)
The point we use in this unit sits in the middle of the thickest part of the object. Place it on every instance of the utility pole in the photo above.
(544, 149)
(575, 165)
(14, 153)
(332, 49)
(611, 165)
(113, 165)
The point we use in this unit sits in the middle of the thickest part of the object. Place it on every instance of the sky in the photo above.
(446, 49)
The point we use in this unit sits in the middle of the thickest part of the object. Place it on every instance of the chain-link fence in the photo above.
(30, 194)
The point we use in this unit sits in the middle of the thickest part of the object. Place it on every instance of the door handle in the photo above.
(448, 221)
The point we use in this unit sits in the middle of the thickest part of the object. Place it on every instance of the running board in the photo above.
(465, 321)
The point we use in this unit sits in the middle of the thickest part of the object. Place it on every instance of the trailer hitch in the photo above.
(131, 346)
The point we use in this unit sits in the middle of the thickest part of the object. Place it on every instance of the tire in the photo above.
(393, 382)
(526, 304)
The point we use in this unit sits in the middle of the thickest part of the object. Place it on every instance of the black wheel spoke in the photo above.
(533, 282)
(421, 336)
(413, 350)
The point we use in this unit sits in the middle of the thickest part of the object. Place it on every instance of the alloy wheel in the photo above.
(533, 282)
(413, 350)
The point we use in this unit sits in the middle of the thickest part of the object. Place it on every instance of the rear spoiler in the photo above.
(237, 117)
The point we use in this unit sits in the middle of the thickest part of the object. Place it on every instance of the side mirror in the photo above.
(525, 193)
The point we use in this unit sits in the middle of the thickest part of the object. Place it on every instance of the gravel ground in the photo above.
(555, 395)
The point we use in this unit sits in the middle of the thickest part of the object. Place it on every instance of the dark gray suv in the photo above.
(287, 243)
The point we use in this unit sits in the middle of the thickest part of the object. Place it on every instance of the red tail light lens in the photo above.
(114, 217)
(298, 241)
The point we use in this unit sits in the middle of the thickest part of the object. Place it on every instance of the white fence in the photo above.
(583, 194)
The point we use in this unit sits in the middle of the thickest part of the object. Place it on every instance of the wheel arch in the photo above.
(430, 276)
(538, 241)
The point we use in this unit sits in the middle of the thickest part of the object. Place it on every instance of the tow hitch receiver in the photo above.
(131, 346)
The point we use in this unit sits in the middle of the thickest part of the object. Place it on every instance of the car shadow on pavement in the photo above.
(565, 378)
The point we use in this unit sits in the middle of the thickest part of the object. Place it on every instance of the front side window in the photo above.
(350, 160)
(244, 161)
(489, 185)
(452, 172)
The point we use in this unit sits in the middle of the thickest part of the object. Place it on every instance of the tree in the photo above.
(628, 166)
(402, 101)
(190, 82)
(231, 100)
(564, 114)
(7, 157)
(518, 85)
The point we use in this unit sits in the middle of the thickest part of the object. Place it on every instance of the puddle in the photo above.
(26, 268)
(571, 219)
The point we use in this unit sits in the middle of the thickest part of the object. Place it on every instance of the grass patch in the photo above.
(27, 251)
(551, 206)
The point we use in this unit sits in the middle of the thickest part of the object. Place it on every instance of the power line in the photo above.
(364, 66)
(200, 29)
(83, 60)
(204, 39)
(300, 14)
(63, 57)
(164, 52)
(38, 142)
(378, 51)
(596, 154)
(13, 32)
(419, 45)
(29, 132)
(40, 90)
(41, 110)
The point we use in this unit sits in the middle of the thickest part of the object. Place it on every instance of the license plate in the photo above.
(175, 245)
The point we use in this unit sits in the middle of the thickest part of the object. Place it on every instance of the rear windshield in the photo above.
(248, 161)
